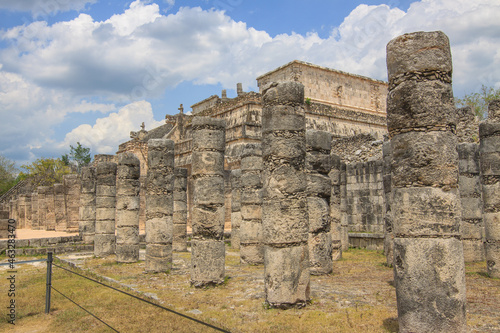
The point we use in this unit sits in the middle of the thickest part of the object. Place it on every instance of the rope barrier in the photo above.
(69, 299)
(146, 301)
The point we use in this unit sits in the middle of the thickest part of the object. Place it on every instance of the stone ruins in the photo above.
(315, 162)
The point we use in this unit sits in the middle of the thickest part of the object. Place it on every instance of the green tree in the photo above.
(479, 100)
(8, 173)
(45, 171)
(79, 156)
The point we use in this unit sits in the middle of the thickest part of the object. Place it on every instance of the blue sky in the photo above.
(92, 71)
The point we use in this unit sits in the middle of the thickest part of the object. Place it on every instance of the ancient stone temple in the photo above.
(429, 271)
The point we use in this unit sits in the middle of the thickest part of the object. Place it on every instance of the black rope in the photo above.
(83, 308)
(149, 302)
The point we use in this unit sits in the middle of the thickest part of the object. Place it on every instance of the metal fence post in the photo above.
(49, 282)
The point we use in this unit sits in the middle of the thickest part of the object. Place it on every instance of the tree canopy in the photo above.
(78, 157)
(45, 171)
(8, 174)
(479, 100)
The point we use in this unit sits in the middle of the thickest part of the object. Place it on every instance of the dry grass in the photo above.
(357, 297)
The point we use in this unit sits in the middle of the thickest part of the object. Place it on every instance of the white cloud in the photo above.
(50, 71)
(107, 133)
(44, 7)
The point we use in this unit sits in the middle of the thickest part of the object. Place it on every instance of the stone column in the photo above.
(284, 208)
(34, 210)
(21, 204)
(489, 147)
(469, 181)
(72, 198)
(429, 269)
(207, 244)
(28, 212)
(344, 218)
(60, 207)
(4, 224)
(11, 209)
(319, 189)
(42, 207)
(235, 180)
(87, 211)
(50, 218)
(251, 248)
(105, 202)
(127, 208)
(388, 234)
(179, 242)
(335, 212)
(159, 205)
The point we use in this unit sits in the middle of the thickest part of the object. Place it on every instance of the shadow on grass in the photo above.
(391, 324)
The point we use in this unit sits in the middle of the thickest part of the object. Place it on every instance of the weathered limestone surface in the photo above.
(319, 189)
(60, 207)
(50, 217)
(284, 209)
(469, 180)
(207, 244)
(489, 147)
(179, 242)
(429, 269)
(388, 228)
(127, 208)
(251, 247)
(87, 211)
(159, 205)
(105, 201)
(335, 212)
(72, 198)
(235, 179)
(42, 207)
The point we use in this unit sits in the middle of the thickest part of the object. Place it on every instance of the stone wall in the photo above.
(365, 197)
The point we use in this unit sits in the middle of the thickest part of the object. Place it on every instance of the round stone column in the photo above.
(235, 179)
(104, 239)
(319, 191)
(207, 243)
(179, 242)
(429, 269)
(159, 205)
(284, 208)
(87, 204)
(251, 248)
(489, 148)
(127, 208)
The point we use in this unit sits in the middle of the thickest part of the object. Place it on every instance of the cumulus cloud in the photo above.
(44, 7)
(107, 133)
(139, 53)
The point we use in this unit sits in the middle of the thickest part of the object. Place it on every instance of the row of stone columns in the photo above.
(49, 207)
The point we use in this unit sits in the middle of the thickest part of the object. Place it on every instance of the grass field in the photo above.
(357, 297)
